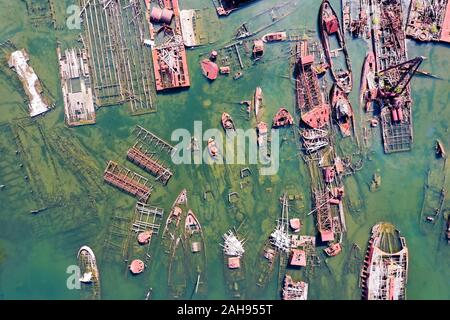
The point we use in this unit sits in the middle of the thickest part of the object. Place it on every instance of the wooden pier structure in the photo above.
(127, 181)
(114, 36)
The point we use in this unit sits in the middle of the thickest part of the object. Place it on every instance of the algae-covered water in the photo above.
(44, 164)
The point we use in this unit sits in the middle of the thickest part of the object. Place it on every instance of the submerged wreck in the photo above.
(385, 270)
(225, 7)
(31, 84)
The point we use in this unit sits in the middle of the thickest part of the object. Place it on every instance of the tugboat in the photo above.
(440, 150)
(333, 250)
(257, 102)
(368, 91)
(212, 148)
(262, 133)
(282, 118)
(172, 229)
(329, 25)
(90, 279)
(196, 251)
(274, 36)
(227, 122)
(342, 110)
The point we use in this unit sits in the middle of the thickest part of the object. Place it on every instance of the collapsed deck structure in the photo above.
(389, 47)
(139, 155)
(127, 181)
(31, 84)
(385, 270)
(294, 290)
(79, 106)
(225, 7)
(168, 52)
(324, 215)
(429, 20)
(114, 36)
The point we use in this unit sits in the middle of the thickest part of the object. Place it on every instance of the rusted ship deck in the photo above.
(429, 21)
(168, 52)
(225, 7)
(309, 96)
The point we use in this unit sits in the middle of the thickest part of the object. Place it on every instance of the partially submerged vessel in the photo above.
(172, 227)
(210, 69)
(227, 122)
(333, 249)
(233, 251)
(282, 118)
(90, 277)
(177, 276)
(265, 19)
(440, 150)
(385, 270)
(196, 251)
(261, 130)
(294, 290)
(329, 26)
(258, 103)
(368, 88)
(212, 148)
(342, 110)
(274, 36)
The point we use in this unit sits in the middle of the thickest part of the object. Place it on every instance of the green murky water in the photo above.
(67, 165)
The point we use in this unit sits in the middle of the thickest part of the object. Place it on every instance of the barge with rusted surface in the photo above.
(429, 20)
(384, 274)
(168, 51)
(144, 159)
(127, 181)
(389, 47)
(310, 101)
(329, 26)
